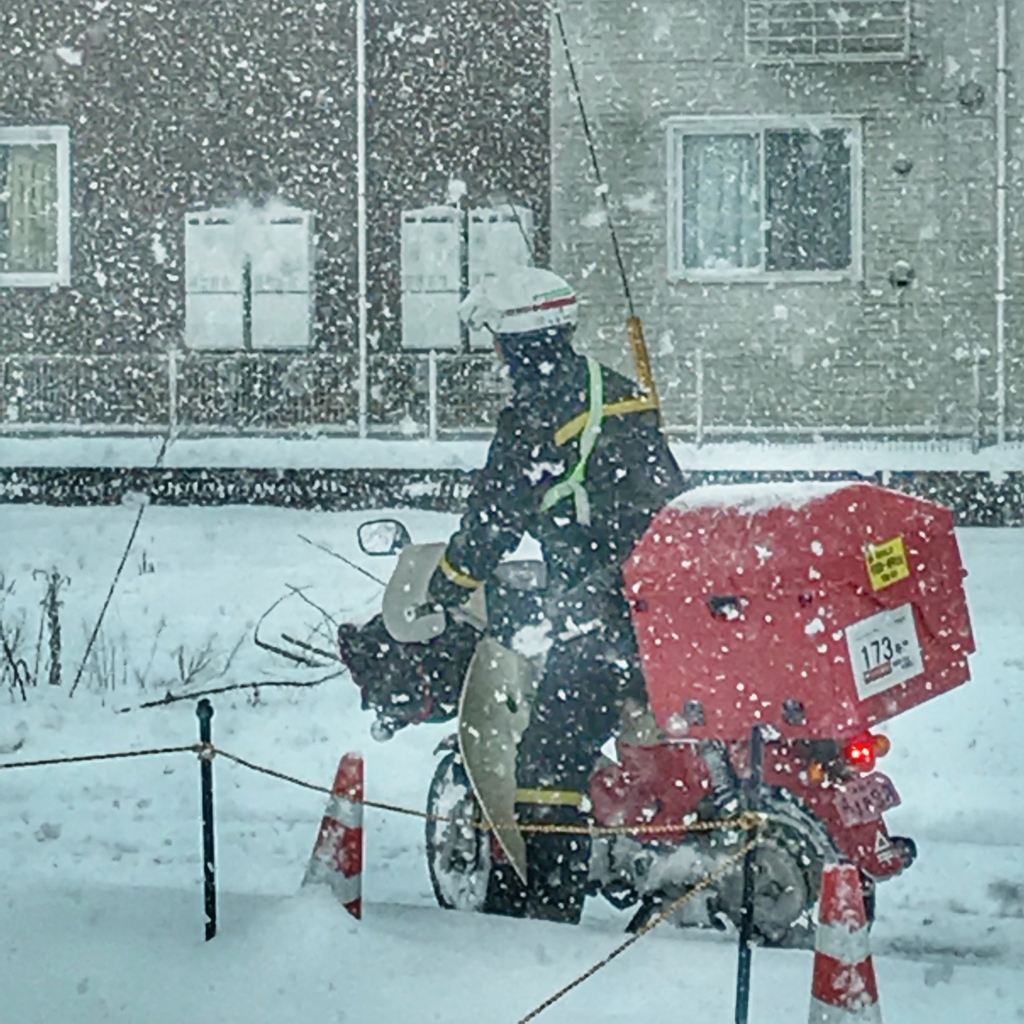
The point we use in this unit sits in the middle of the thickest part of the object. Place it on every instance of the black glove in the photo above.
(407, 683)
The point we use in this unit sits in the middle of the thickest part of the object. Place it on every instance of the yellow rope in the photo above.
(739, 822)
(663, 915)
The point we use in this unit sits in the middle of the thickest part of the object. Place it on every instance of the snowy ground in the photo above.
(100, 888)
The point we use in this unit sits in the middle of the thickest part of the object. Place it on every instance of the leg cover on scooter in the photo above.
(557, 863)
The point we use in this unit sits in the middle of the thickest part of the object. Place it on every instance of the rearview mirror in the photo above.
(383, 537)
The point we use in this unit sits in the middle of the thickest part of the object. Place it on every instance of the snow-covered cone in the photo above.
(338, 854)
(843, 990)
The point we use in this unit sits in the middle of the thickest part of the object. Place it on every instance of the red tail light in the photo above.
(863, 750)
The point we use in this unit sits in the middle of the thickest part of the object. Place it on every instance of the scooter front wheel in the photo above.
(464, 871)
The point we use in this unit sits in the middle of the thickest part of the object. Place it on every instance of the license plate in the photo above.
(865, 798)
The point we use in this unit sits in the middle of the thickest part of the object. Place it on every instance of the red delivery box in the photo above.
(818, 608)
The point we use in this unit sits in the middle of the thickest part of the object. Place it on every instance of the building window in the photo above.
(35, 207)
(758, 199)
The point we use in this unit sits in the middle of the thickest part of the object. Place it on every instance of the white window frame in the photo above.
(678, 128)
(60, 136)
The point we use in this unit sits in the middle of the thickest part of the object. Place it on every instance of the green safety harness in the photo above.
(573, 484)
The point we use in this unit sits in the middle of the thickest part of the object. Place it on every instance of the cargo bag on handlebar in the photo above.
(407, 683)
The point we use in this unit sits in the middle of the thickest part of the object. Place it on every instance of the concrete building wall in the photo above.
(781, 356)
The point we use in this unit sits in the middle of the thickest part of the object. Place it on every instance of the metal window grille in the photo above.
(201, 393)
(828, 31)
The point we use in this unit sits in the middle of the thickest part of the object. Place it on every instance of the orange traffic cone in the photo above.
(844, 989)
(337, 858)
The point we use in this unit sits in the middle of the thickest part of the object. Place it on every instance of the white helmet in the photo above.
(526, 299)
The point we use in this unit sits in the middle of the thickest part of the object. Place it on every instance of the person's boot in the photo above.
(557, 863)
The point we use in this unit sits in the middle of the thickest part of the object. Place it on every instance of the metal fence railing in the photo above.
(181, 392)
(125, 392)
(427, 395)
(187, 392)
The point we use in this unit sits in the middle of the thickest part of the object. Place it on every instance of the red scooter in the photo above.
(786, 620)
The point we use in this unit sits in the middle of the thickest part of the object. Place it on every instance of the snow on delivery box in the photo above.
(818, 608)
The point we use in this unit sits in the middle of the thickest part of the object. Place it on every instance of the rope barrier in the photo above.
(739, 822)
(748, 820)
(743, 822)
(274, 774)
(194, 748)
(207, 751)
(663, 915)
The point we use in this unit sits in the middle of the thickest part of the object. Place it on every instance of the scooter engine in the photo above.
(787, 877)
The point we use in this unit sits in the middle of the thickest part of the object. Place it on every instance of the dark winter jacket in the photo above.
(631, 473)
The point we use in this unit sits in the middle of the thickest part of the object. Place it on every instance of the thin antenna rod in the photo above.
(601, 187)
(361, 220)
(522, 229)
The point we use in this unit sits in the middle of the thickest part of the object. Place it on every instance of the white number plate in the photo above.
(865, 798)
(884, 650)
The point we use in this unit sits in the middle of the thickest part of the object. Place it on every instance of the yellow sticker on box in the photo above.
(887, 563)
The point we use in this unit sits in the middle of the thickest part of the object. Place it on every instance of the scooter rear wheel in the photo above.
(787, 876)
(464, 872)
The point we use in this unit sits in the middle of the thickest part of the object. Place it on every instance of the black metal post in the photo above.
(204, 712)
(247, 303)
(751, 802)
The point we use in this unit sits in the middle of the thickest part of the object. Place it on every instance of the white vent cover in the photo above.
(828, 31)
